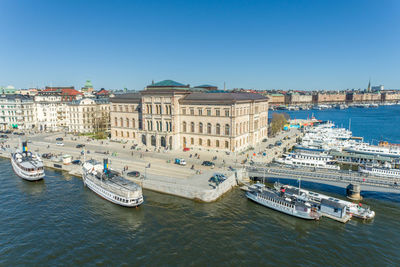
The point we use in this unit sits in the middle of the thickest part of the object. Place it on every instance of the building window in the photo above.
(227, 129)
(192, 127)
(184, 111)
(127, 134)
(192, 111)
(226, 144)
(200, 127)
(226, 112)
(217, 143)
(200, 111)
(208, 112)
(184, 127)
(218, 129)
(200, 142)
(217, 112)
(208, 142)
(122, 122)
(192, 141)
(116, 121)
(127, 123)
(209, 128)
(133, 123)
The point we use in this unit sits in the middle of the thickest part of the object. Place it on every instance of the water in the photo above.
(60, 222)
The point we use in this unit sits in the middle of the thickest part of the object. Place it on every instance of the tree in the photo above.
(278, 121)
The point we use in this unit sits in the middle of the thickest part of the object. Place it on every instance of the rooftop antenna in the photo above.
(224, 86)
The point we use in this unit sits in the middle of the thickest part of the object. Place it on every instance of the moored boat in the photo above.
(110, 185)
(27, 165)
(279, 201)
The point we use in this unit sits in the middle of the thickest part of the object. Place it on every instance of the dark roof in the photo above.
(126, 98)
(331, 203)
(223, 98)
(205, 86)
(16, 96)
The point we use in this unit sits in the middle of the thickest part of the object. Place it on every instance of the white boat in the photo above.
(27, 165)
(382, 172)
(365, 148)
(320, 161)
(359, 210)
(279, 201)
(110, 185)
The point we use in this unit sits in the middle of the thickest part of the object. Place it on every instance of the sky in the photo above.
(300, 45)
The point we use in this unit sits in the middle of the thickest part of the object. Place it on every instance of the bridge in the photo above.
(325, 176)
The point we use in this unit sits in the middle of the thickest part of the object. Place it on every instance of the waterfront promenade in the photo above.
(157, 168)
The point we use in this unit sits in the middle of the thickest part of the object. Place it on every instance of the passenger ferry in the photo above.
(364, 148)
(383, 172)
(279, 201)
(27, 165)
(309, 160)
(110, 185)
(359, 210)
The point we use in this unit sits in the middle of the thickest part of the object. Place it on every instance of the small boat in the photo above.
(27, 165)
(110, 185)
(279, 201)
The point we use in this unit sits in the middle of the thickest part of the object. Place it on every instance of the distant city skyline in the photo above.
(298, 45)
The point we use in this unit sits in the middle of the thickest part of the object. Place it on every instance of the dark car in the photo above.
(76, 162)
(59, 139)
(134, 174)
(208, 163)
(278, 143)
(264, 140)
(47, 155)
(3, 136)
(79, 146)
(270, 146)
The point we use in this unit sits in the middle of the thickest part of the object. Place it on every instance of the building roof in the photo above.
(16, 96)
(102, 92)
(223, 98)
(169, 83)
(327, 202)
(205, 86)
(126, 98)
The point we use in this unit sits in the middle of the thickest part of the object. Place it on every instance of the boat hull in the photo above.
(275, 206)
(109, 195)
(24, 175)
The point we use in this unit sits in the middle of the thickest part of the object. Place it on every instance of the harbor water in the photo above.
(58, 221)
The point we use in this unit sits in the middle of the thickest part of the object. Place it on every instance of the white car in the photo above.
(60, 144)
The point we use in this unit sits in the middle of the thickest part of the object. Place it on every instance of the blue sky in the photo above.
(301, 45)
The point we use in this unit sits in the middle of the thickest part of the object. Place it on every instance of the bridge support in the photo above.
(353, 192)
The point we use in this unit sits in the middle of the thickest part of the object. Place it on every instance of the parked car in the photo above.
(60, 144)
(180, 162)
(59, 139)
(278, 143)
(3, 136)
(133, 174)
(264, 140)
(186, 149)
(208, 163)
(47, 155)
(79, 145)
(76, 162)
(270, 146)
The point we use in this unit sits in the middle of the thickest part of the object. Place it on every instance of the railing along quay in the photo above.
(331, 176)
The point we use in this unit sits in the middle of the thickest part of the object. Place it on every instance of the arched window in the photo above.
(160, 125)
(227, 129)
(184, 127)
(166, 126)
(200, 127)
(208, 142)
(217, 143)
(127, 122)
(192, 127)
(122, 122)
(116, 121)
(209, 128)
(192, 141)
(200, 141)
(218, 129)
(133, 123)
(170, 126)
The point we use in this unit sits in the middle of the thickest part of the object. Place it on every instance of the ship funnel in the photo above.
(25, 146)
(105, 165)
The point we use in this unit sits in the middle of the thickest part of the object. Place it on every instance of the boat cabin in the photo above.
(333, 208)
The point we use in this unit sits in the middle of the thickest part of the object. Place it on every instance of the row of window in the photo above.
(217, 112)
(128, 122)
(209, 129)
(125, 108)
(159, 126)
(208, 143)
(159, 109)
(124, 134)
